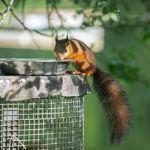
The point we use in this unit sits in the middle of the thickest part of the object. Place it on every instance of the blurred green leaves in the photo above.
(122, 65)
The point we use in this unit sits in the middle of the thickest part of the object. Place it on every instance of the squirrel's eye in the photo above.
(65, 50)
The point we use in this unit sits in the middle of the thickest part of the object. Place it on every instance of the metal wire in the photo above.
(54, 123)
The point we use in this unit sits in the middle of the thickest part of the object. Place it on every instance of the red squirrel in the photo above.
(108, 89)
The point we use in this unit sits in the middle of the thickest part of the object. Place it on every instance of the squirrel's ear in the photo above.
(56, 38)
(66, 38)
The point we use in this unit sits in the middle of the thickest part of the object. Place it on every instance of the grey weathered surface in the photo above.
(17, 88)
(32, 67)
(23, 79)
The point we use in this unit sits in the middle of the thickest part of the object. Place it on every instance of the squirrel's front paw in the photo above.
(75, 73)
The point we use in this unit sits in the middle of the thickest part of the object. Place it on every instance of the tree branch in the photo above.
(4, 13)
(22, 24)
(49, 12)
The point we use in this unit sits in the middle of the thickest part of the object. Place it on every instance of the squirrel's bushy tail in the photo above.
(114, 102)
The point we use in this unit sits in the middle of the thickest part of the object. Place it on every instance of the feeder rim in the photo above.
(35, 59)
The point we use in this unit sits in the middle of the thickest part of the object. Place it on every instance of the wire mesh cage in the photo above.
(42, 108)
(54, 123)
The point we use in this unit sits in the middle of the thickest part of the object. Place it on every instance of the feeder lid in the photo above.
(34, 66)
(23, 79)
(18, 88)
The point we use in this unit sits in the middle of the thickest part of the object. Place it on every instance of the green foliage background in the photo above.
(126, 56)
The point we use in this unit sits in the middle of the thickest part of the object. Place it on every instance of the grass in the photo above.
(24, 53)
(41, 5)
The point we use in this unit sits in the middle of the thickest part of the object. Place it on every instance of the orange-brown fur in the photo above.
(79, 56)
(112, 95)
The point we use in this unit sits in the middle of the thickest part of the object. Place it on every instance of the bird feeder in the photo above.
(41, 107)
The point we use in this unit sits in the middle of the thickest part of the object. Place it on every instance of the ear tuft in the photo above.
(66, 40)
(56, 38)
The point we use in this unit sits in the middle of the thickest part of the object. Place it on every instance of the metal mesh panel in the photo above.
(55, 123)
